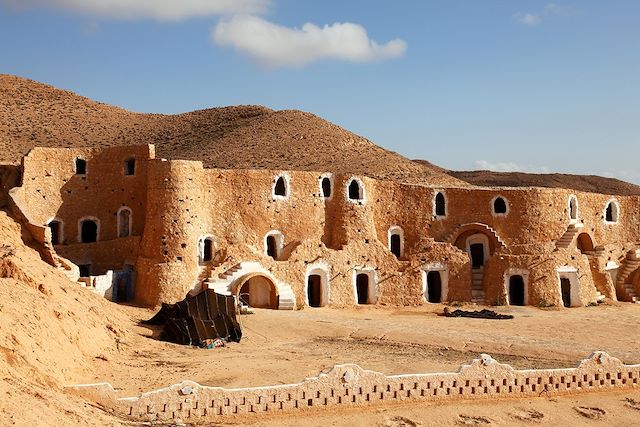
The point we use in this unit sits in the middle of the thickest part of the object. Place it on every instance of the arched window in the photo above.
(124, 222)
(396, 241)
(612, 212)
(573, 207)
(355, 191)
(273, 243)
(440, 205)
(325, 187)
(57, 229)
(206, 249)
(281, 187)
(500, 206)
(130, 167)
(81, 166)
(88, 230)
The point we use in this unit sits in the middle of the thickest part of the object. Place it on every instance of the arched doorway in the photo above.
(516, 290)
(434, 287)
(88, 231)
(258, 291)
(584, 243)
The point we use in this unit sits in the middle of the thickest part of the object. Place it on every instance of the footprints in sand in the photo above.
(399, 421)
(590, 412)
(530, 415)
(468, 420)
(631, 403)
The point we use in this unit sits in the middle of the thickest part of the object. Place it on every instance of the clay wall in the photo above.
(347, 386)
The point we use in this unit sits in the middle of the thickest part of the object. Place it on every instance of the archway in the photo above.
(88, 231)
(434, 287)
(325, 187)
(258, 291)
(584, 243)
(355, 190)
(440, 205)
(56, 228)
(516, 290)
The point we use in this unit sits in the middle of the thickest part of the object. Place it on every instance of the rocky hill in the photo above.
(34, 114)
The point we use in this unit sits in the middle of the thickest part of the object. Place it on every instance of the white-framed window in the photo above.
(499, 206)
(281, 187)
(440, 205)
(612, 212)
(206, 249)
(355, 190)
(395, 240)
(326, 186)
(273, 244)
(573, 207)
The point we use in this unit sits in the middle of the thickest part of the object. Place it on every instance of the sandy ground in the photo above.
(283, 347)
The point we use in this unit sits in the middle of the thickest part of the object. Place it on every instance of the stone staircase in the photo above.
(630, 264)
(477, 290)
(223, 282)
(568, 236)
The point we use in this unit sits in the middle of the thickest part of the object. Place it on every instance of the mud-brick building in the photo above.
(138, 228)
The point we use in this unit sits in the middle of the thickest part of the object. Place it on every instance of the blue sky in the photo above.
(508, 85)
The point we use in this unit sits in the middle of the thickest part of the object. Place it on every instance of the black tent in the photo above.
(196, 318)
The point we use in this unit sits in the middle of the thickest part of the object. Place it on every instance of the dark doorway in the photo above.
(354, 190)
(85, 270)
(516, 290)
(326, 187)
(281, 187)
(81, 167)
(89, 231)
(396, 245)
(130, 167)
(609, 216)
(123, 289)
(55, 232)
(565, 286)
(362, 288)
(441, 208)
(500, 206)
(477, 255)
(207, 250)
(314, 290)
(434, 287)
(272, 248)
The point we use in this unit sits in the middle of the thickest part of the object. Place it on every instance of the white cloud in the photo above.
(276, 46)
(533, 19)
(161, 10)
(508, 167)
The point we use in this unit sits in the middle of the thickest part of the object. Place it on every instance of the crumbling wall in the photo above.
(9, 178)
(346, 386)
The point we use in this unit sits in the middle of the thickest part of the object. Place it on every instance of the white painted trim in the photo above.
(323, 270)
(615, 212)
(482, 239)
(443, 269)
(120, 210)
(279, 237)
(525, 278)
(362, 192)
(573, 198)
(571, 273)
(373, 284)
(396, 230)
(200, 248)
(287, 186)
(61, 228)
(88, 218)
(331, 181)
(506, 202)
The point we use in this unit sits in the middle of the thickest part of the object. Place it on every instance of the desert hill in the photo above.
(34, 114)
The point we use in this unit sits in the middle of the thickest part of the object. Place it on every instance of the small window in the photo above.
(280, 189)
(612, 212)
(124, 222)
(88, 231)
(206, 249)
(396, 241)
(325, 185)
(273, 244)
(500, 206)
(85, 270)
(130, 167)
(441, 207)
(573, 207)
(355, 190)
(81, 166)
